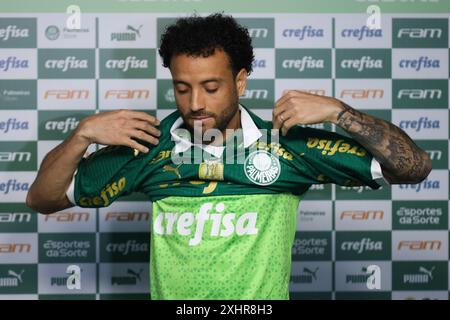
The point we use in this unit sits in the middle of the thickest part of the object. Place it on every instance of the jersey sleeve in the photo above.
(327, 157)
(104, 176)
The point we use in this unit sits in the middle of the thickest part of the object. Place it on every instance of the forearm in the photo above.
(55, 173)
(401, 159)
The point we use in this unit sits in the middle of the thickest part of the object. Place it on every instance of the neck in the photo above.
(235, 123)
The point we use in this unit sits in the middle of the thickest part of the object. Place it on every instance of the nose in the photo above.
(197, 103)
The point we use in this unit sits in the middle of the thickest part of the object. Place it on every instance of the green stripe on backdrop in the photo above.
(246, 6)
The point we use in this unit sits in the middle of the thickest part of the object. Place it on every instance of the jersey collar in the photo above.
(250, 132)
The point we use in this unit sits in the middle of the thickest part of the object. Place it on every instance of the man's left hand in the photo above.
(299, 107)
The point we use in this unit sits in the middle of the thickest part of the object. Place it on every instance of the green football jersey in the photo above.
(221, 228)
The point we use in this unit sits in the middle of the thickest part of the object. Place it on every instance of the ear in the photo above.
(241, 81)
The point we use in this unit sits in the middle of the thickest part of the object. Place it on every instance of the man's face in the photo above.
(206, 91)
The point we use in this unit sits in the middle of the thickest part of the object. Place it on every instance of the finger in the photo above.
(281, 114)
(287, 125)
(143, 116)
(136, 146)
(142, 135)
(278, 109)
(287, 94)
(281, 105)
(280, 118)
(144, 126)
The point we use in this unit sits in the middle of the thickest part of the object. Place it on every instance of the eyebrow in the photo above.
(175, 82)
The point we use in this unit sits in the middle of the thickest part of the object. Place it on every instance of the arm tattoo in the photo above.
(401, 159)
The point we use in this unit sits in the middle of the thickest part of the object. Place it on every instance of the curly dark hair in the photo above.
(200, 36)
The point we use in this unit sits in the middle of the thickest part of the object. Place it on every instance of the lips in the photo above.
(200, 118)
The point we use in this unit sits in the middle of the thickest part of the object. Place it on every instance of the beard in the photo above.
(218, 121)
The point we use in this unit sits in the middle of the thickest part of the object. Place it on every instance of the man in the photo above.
(221, 228)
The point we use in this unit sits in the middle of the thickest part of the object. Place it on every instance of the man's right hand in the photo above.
(120, 127)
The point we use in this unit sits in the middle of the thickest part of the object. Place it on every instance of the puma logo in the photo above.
(175, 170)
(428, 272)
(137, 275)
(18, 276)
(312, 273)
(137, 30)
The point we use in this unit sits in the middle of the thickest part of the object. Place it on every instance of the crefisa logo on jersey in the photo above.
(262, 167)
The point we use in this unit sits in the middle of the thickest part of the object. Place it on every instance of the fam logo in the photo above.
(419, 94)
(258, 32)
(362, 215)
(369, 93)
(127, 94)
(255, 94)
(416, 93)
(123, 216)
(67, 216)
(419, 245)
(66, 94)
(13, 247)
(18, 156)
(15, 217)
(261, 30)
(419, 33)
(262, 167)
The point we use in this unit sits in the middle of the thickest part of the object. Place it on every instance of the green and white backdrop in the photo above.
(51, 77)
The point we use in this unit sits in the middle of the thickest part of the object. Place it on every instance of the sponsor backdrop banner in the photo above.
(52, 76)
